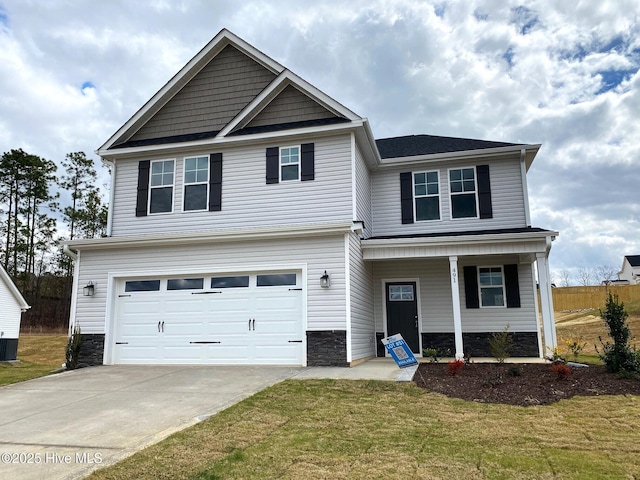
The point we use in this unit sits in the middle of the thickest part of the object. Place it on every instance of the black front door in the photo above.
(402, 312)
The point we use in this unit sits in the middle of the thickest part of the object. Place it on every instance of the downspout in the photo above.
(111, 165)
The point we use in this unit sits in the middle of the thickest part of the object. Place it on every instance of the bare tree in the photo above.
(565, 278)
(606, 273)
(585, 276)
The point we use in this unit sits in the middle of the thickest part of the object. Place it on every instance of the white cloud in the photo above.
(563, 74)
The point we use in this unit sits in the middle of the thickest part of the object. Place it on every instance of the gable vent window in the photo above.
(196, 183)
(161, 186)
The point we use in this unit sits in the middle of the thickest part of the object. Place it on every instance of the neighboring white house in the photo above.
(255, 220)
(630, 270)
(12, 304)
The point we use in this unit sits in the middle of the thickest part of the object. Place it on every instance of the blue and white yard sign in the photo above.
(399, 350)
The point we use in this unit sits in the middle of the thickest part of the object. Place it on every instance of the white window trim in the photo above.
(503, 285)
(185, 184)
(173, 186)
(451, 194)
(413, 189)
(280, 164)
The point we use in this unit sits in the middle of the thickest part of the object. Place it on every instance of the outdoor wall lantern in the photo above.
(325, 281)
(89, 290)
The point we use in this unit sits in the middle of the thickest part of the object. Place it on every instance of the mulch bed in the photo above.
(536, 384)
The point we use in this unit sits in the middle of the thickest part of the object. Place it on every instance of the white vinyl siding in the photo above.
(435, 296)
(506, 195)
(10, 312)
(362, 318)
(326, 308)
(247, 201)
(363, 193)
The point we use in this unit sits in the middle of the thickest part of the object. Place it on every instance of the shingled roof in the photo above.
(412, 145)
(634, 260)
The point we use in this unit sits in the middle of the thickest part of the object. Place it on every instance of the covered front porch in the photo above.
(453, 292)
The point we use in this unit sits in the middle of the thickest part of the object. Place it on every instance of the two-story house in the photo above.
(255, 220)
(630, 271)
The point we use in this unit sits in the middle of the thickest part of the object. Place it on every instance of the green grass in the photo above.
(38, 356)
(318, 429)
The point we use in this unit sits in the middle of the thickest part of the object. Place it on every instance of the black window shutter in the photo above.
(143, 188)
(308, 162)
(471, 287)
(512, 286)
(484, 191)
(215, 182)
(273, 164)
(406, 197)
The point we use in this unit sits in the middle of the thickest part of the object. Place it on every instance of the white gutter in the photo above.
(233, 140)
(191, 238)
(111, 165)
(454, 239)
(69, 253)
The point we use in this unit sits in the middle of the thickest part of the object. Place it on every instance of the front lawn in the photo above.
(38, 355)
(333, 429)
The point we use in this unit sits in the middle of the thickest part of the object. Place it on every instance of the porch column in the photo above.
(546, 301)
(455, 299)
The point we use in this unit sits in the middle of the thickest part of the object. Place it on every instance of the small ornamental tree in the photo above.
(618, 357)
(500, 344)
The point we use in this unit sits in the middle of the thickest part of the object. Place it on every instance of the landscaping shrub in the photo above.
(500, 344)
(575, 347)
(434, 354)
(73, 349)
(454, 367)
(561, 370)
(618, 357)
(514, 371)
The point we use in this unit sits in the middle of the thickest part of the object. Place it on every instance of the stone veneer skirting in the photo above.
(327, 348)
(8, 349)
(91, 350)
(525, 344)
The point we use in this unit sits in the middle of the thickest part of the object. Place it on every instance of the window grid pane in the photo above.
(290, 163)
(401, 293)
(426, 192)
(196, 179)
(491, 287)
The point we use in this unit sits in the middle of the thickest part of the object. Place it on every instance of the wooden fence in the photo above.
(582, 298)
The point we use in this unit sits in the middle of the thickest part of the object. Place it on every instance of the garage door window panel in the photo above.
(230, 282)
(185, 284)
(142, 286)
(276, 280)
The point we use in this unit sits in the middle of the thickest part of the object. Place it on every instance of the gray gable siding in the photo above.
(247, 200)
(289, 106)
(506, 193)
(211, 99)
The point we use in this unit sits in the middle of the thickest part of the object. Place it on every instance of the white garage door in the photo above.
(231, 319)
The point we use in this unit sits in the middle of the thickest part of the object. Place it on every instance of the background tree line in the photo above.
(32, 223)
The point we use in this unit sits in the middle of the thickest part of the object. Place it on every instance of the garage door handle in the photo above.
(124, 296)
(203, 293)
(252, 324)
(295, 341)
(122, 343)
(201, 343)
(158, 326)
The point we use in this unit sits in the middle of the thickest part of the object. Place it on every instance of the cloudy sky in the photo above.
(560, 73)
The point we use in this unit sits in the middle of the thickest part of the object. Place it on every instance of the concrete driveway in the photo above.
(66, 425)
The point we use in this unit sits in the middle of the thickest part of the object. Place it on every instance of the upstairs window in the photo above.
(289, 163)
(426, 193)
(491, 286)
(196, 183)
(161, 186)
(462, 188)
